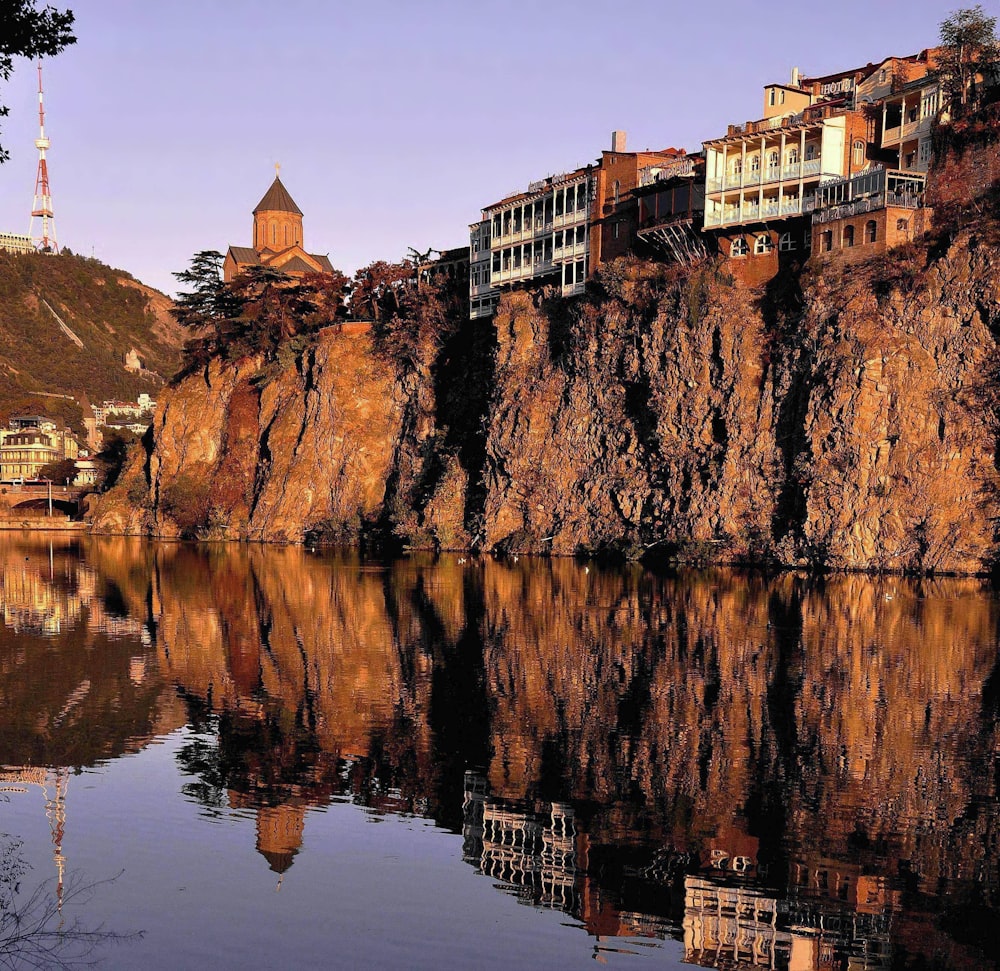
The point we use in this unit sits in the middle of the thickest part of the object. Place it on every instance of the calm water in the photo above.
(225, 757)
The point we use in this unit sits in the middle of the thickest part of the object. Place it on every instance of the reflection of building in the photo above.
(532, 852)
(29, 444)
(732, 925)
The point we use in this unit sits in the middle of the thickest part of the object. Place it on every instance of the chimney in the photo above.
(618, 141)
(795, 77)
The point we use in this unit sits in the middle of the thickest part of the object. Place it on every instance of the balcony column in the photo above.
(781, 180)
(902, 125)
(760, 172)
(802, 165)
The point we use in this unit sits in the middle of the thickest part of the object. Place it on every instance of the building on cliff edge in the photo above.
(560, 230)
(277, 239)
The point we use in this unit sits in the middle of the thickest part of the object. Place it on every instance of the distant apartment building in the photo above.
(560, 229)
(13, 243)
(31, 442)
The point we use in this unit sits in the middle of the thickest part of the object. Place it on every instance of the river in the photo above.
(231, 757)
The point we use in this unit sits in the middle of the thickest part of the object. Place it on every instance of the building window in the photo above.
(902, 225)
(807, 239)
(754, 163)
(811, 152)
(763, 244)
(925, 151)
(618, 187)
(737, 166)
(859, 152)
(786, 243)
(738, 247)
(773, 159)
(848, 236)
(826, 241)
(770, 96)
(871, 231)
(881, 76)
(617, 229)
(580, 234)
(793, 156)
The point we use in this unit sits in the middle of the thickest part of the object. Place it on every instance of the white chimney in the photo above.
(795, 77)
(618, 141)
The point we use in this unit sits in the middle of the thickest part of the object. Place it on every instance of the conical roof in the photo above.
(277, 199)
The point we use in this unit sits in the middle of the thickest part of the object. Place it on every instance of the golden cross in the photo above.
(277, 170)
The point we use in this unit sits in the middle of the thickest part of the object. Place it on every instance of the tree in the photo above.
(59, 472)
(26, 31)
(969, 57)
(378, 289)
(256, 312)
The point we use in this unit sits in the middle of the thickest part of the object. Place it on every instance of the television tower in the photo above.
(45, 240)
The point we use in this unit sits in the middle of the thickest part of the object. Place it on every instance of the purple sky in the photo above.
(394, 122)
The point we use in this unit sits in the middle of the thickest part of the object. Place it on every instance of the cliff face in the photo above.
(845, 423)
(240, 455)
(843, 417)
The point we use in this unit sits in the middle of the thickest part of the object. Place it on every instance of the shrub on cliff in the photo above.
(412, 320)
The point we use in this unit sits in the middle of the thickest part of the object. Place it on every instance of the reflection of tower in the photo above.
(45, 238)
(52, 782)
(279, 835)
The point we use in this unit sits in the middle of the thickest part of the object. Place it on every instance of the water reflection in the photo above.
(779, 773)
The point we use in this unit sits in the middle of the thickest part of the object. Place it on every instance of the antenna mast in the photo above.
(45, 239)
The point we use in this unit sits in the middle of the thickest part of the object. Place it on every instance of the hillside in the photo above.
(105, 309)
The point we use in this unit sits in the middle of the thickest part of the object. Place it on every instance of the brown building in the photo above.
(868, 214)
(277, 239)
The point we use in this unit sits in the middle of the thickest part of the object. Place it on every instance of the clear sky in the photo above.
(394, 121)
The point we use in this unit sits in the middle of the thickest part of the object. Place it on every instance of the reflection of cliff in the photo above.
(827, 744)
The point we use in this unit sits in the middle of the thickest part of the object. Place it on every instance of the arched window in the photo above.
(786, 242)
(793, 155)
(738, 247)
(755, 163)
(811, 151)
(826, 241)
(871, 231)
(773, 159)
(763, 244)
(859, 152)
(902, 225)
(848, 236)
(737, 165)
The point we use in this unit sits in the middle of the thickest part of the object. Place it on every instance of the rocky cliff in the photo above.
(842, 417)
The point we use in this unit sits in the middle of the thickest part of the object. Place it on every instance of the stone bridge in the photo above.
(32, 500)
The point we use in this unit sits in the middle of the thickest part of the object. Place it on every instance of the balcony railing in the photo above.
(771, 209)
(788, 173)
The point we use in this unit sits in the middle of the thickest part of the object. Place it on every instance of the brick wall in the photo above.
(893, 227)
(960, 177)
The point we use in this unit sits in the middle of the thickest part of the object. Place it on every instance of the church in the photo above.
(277, 240)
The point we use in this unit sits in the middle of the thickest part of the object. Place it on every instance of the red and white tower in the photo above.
(44, 237)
